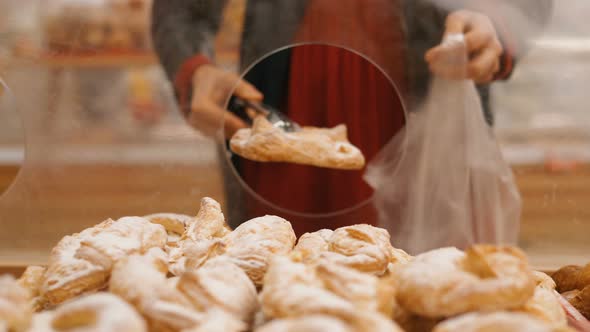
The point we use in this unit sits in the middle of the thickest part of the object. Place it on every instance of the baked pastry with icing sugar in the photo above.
(544, 303)
(362, 247)
(82, 262)
(497, 321)
(359, 322)
(310, 246)
(252, 243)
(184, 302)
(296, 290)
(292, 290)
(219, 321)
(15, 310)
(201, 239)
(100, 312)
(448, 282)
(365, 291)
(320, 147)
(219, 283)
(311, 323)
(141, 281)
(175, 224)
(31, 280)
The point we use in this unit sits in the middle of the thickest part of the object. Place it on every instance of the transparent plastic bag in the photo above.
(442, 181)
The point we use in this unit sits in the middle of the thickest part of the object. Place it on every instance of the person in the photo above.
(400, 36)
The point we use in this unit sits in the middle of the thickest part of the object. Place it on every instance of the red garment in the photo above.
(330, 86)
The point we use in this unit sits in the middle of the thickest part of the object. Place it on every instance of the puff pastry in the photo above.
(311, 323)
(327, 148)
(201, 239)
(165, 308)
(296, 290)
(15, 311)
(497, 321)
(292, 290)
(175, 224)
(544, 303)
(572, 277)
(362, 321)
(252, 243)
(101, 312)
(310, 246)
(82, 262)
(221, 284)
(218, 321)
(447, 282)
(365, 291)
(580, 299)
(362, 247)
(31, 280)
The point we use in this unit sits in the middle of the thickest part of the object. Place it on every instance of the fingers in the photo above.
(484, 66)
(248, 91)
(457, 23)
(209, 118)
(477, 40)
(483, 47)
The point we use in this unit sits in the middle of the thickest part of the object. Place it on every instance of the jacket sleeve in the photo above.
(183, 33)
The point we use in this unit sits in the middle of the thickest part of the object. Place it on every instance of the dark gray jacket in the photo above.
(183, 28)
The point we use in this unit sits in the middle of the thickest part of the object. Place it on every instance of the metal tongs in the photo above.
(274, 116)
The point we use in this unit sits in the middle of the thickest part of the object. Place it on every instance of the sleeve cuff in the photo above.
(184, 78)
(507, 59)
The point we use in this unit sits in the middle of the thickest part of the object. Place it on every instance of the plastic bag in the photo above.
(442, 180)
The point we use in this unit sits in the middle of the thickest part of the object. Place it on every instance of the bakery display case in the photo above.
(104, 183)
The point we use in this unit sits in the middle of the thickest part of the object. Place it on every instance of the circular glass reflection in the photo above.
(321, 86)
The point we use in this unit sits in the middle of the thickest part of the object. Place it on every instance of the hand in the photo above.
(483, 46)
(212, 87)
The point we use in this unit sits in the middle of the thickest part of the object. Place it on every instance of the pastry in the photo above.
(31, 280)
(311, 323)
(165, 308)
(67, 276)
(292, 290)
(15, 310)
(365, 291)
(101, 312)
(580, 299)
(362, 247)
(221, 284)
(359, 322)
(310, 246)
(544, 303)
(448, 282)
(497, 321)
(174, 223)
(218, 321)
(82, 262)
(252, 243)
(327, 148)
(572, 277)
(201, 239)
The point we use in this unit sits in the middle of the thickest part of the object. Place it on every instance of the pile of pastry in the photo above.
(171, 272)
